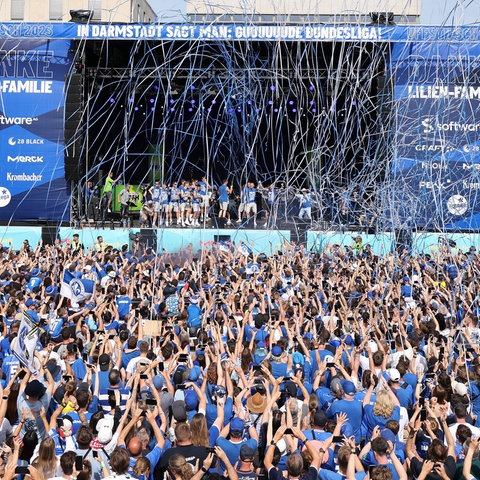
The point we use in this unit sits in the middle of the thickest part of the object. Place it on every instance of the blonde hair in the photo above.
(179, 467)
(383, 404)
(142, 466)
(198, 427)
(47, 462)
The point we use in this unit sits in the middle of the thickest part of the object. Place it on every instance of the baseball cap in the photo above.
(237, 425)
(158, 381)
(246, 452)
(277, 351)
(104, 360)
(388, 435)
(394, 375)
(459, 388)
(191, 399)
(194, 373)
(105, 429)
(348, 387)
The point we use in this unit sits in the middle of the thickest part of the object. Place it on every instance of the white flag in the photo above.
(27, 341)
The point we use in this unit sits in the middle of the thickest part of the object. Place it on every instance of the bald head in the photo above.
(135, 447)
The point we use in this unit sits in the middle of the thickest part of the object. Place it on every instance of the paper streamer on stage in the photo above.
(26, 343)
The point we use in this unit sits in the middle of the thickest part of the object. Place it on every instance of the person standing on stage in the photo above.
(202, 192)
(251, 194)
(174, 204)
(163, 202)
(196, 205)
(108, 190)
(124, 198)
(243, 203)
(305, 205)
(154, 192)
(184, 203)
(271, 200)
(223, 201)
(92, 201)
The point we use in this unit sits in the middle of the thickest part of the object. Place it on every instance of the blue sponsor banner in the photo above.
(436, 166)
(32, 172)
(225, 31)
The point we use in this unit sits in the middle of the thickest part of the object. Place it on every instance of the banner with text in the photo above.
(32, 171)
(436, 166)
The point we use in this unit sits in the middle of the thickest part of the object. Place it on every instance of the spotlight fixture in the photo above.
(81, 16)
(382, 19)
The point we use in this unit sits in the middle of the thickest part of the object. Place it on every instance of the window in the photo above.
(96, 6)
(18, 9)
(56, 10)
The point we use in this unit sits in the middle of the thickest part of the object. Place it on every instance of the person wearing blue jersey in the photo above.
(242, 206)
(251, 199)
(196, 205)
(223, 201)
(305, 202)
(204, 198)
(173, 205)
(124, 304)
(270, 195)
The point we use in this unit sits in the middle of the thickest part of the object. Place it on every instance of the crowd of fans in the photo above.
(338, 365)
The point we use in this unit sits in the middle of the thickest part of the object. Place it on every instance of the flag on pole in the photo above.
(27, 340)
(244, 249)
(223, 246)
(81, 288)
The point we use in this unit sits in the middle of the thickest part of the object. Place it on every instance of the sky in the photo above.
(433, 12)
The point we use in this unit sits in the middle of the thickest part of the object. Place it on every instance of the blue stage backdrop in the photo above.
(32, 172)
(436, 166)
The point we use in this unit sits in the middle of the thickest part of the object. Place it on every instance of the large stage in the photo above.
(381, 120)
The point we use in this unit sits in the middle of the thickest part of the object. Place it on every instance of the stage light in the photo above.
(291, 102)
(249, 102)
(172, 101)
(112, 100)
(311, 88)
(190, 109)
(275, 110)
(192, 102)
(152, 100)
(270, 102)
(214, 102)
(152, 109)
(172, 109)
(136, 109)
(130, 100)
(192, 87)
(294, 110)
(155, 87)
(209, 110)
(81, 16)
(272, 87)
(382, 18)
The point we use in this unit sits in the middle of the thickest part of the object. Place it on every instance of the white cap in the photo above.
(105, 429)
(459, 388)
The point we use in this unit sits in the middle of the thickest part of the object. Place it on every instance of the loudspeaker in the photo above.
(73, 134)
(403, 240)
(148, 238)
(49, 235)
(222, 238)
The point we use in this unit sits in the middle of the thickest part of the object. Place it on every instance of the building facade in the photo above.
(109, 11)
(301, 11)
